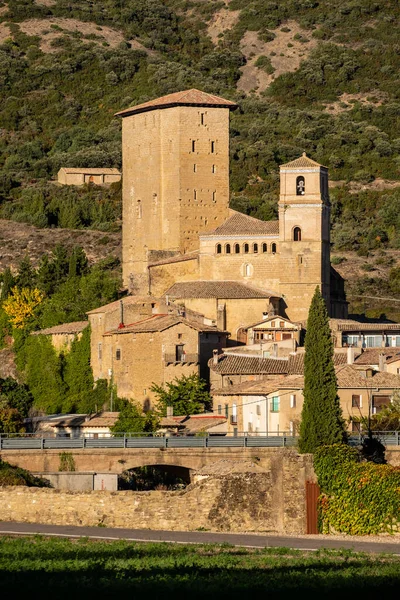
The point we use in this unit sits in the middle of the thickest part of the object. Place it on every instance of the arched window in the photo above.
(300, 186)
(227, 249)
(246, 248)
(264, 248)
(273, 248)
(247, 270)
(219, 248)
(255, 248)
(297, 234)
(237, 249)
(139, 209)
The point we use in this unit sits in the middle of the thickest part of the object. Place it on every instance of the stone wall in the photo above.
(268, 501)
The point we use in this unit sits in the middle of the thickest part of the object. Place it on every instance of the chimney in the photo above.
(265, 316)
(170, 411)
(382, 362)
(215, 357)
(121, 315)
(350, 355)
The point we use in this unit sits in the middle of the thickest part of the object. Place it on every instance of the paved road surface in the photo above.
(199, 537)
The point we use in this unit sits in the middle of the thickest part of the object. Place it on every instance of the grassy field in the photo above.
(39, 566)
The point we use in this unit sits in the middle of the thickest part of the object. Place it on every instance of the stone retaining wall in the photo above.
(272, 500)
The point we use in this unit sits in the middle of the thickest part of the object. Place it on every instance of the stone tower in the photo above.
(175, 153)
(304, 233)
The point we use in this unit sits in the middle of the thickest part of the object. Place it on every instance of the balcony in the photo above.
(190, 359)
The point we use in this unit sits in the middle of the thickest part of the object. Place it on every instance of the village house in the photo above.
(70, 176)
(63, 335)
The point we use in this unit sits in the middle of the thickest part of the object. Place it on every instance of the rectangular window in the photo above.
(258, 409)
(212, 147)
(292, 400)
(275, 404)
(379, 402)
(272, 323)
(179, 336)
(194, 195)
(194, 168)
(202, 120)
(214, 196)
(193, 146)
(118, 354)
(179, 353)
(226, 410)
(214, 169)
(220, 409)
(99, 350)
(281, 324)
(356, 401)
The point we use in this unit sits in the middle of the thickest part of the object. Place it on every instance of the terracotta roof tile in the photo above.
(240, 224)
(191, 97)
(301, 162)
(263, 386)
(216, 289)
(160, 323)
(95, 171)
(75, 327)
(349, 376)
(370, 356)
(104, 419)
(175, 259)
(296, 362)
(248, 365)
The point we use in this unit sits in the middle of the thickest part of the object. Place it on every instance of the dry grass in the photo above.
(223, 20)
(346, 101)
(284, 59)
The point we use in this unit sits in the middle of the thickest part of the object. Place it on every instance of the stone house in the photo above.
(272, 329)
(157, 350)
(273, 405)
(63, 335)
(347, 332)
(71, 176)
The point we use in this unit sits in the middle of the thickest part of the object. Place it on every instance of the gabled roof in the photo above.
(75, 327)
(296, 326)
(95, 171)
(175, 259)
(349, 376)
(216, 289)
(161, 323)
(370, 356)
(191, 97)
(302, 162)
(240, 224)
(296, 362)
(231, 364)
(262, 387)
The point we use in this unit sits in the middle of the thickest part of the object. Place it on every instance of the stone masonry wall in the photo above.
(268, 501)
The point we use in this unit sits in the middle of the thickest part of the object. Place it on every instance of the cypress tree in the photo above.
(321, 418)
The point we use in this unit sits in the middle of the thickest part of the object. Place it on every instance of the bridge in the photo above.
(115, 455)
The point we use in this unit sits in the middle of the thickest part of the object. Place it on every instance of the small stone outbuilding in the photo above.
(72, 176)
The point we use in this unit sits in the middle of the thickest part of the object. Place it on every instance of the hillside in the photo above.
(308, 75)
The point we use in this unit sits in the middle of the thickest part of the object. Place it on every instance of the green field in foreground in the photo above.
(62, 567)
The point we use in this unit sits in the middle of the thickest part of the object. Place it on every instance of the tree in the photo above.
(11, 421)
(21, 305)
(321, 418)
(187, 395)
(8, 282)
(132, 420)
(26, 274)
(15, 395)
(78, 375)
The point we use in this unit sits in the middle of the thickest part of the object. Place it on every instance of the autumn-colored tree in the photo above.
(21, 305)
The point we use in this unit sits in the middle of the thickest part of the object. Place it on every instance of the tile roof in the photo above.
(216, 289)
(126, 301)
(160, 323)
(240, 224)
(193, 423)
(229, 364)
(262, 387)
(296, 362)
(95, 171)
(75, 327)
(349, 376)
(191, 97)
(175, 259)
(370, 356)
(104, 419)
(301, 162)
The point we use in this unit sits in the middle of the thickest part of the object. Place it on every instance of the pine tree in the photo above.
(7, 283)
(321, 417)
(26, 274)
(46, 276)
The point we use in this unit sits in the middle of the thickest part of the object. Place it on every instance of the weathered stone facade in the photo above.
(268, 500)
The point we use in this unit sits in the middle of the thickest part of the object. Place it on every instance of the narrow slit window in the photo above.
(118, 354)
(228, 249)
(264, 248)
(212, 147)
(194, 168)
(193, 145)
(214, 196)
(214, 169)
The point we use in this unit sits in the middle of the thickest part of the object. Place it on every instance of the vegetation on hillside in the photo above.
(11, 475)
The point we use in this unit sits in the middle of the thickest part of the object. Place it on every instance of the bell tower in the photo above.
(304, 232)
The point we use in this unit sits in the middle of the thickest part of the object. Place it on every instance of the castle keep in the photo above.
(182, 242)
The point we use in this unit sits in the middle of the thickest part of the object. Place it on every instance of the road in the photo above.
(200, 537)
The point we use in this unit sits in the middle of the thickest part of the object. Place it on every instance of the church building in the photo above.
(182, 242)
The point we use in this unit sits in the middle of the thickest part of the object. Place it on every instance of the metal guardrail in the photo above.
(144, 440)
